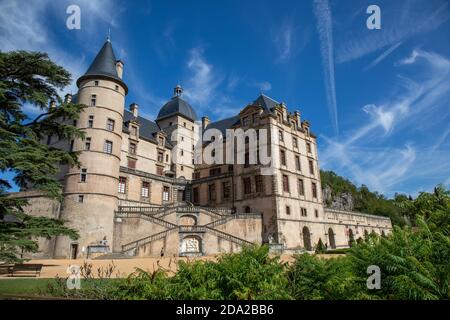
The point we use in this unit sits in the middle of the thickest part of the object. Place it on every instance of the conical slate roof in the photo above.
(104, 66)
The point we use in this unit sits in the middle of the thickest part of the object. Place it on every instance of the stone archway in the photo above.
(306, 239)
(351, 237)
(331, 238)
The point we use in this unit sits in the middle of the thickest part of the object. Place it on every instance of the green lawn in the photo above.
(24, 286)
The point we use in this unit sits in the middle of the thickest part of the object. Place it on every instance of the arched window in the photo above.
(331, 238)
(306, 239)
(383, 234)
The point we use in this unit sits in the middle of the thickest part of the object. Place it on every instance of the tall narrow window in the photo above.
(280, 135)
(297, 163)
(80, 198)
(166, 193)
(259, 183)
(93, 100)
(161, 141)
(316, 212)
(283, 157)
(133, 131)
(107, 148)
(285, 183)
(159, 171)
(308, 147)
(304, 213)
(247, 185)
(288, 210)
(295, 142)
(314, 190)
(87, 143)
(160, 157)
(122, 184)
(301, 187)
(71, 145)
(311, 167)
(226, 189)
(110, 124)
(145, 189)
(212, 192)
(83, 175)
(91, 121)
(132, 148)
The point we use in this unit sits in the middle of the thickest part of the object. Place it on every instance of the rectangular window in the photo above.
(288, 210)
(132, 163)
(254, 117)
(161, 141)
(308, 147)
(196, 198)
(298, 165)
(285, 183)
(117, 88)
(145, 189)
(49, 139)
(212, 192)
(245, 121)
(280, 135)
(80, 198)
(283, 157)
(259, 183)
(160, 157)
(122, 184)
(93, 100)
(159, 171)
(91, 121)
(314, 190)
(301, 187)
(166, 193)
(167, 157)
(316, 212)
(311, 167)
(83, 175)
(214, 171)
(226, 189)
(110, 125)
(96, 82)
(132, 148)
(133, 131)
(304, 213)
(295, 142)
(247, 185)
(87, 144)
(107, 148)
(71, 145)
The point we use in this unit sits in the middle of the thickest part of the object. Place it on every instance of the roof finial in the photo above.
(177, 91)
(109, 35)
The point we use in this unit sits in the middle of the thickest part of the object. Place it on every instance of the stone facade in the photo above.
(140, 192)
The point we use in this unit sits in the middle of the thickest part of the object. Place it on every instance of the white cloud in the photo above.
(383, 56)
(262, 86)
(366, 157)
(394, 30)
(322, 12)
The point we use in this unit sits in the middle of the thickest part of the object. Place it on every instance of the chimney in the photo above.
(297, 117)
(134, 109)
(205, 122)
(68, 98)
(119, 68)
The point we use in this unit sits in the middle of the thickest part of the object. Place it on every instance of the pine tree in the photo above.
(31, 78)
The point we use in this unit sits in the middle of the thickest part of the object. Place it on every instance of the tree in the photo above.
(31, 78)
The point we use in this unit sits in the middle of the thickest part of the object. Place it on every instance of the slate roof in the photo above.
(147, 128)
(104, 65)
(177, 105)
(267, 103)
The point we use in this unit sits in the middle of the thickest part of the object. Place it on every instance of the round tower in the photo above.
(91, 192)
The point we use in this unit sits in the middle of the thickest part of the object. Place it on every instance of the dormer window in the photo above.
(245, 121)
(254, 117)
(280, 135)
(133, 130)
(161, 141)
(279, 117)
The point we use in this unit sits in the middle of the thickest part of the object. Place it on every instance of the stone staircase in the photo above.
(156, 215)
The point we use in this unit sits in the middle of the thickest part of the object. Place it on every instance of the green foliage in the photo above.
(320, 247)
(31, 78)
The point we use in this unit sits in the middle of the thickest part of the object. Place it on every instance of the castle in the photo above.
(140, 192)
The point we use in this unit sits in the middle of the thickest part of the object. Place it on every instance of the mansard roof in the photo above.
(147, 128)
(104, 66)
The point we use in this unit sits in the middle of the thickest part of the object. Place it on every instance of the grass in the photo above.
(24, 286)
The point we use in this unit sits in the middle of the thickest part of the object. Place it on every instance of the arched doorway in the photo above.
(351, 237)
(306, 239)
(383, 234)
(331, 239)
(366, 233)
(247, 209)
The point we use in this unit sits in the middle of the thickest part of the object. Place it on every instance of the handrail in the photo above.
(228, 236)
(145, 240)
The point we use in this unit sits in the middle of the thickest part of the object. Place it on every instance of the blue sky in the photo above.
(378, 100)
